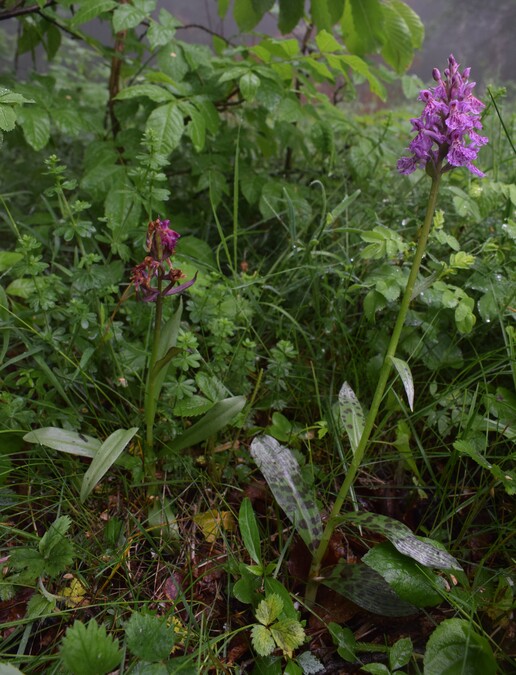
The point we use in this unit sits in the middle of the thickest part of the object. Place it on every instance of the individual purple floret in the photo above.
(157, 269)
(447, 127)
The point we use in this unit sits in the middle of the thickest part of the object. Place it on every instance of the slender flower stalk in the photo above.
(450, 117)
(154, 279)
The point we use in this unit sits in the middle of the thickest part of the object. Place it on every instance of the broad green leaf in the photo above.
(167, 125)
(411, 583)
(160, 34)
(220, 415)
(7, 117)
(283, 475)
(367, 589)
(351, 415)
(90, 9)
(290, 14)
(454, 648)
(104, 458)
(335, 9)
(196, 129)
(245, 14)
(222, 7)
(262, 6)
(327, 43)
(35, 123)
(249, 83)
(362, 26)
(149, 637)
(414, 23)
(406, 377)
(128, 16)
(404, 540)
(345, 641)
(397, 49)
(263, 642)
(162, 520)
(72, 442)
(288, 634)
(8, 96)
(54, 547)
(361, 67)
(249, 531)
(152, 91)
(269, 609)
(87, 649)
(321, 14)
(400, 653)
(273, 586)
(7, 260)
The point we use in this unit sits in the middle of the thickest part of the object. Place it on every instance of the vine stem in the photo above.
(311, 590)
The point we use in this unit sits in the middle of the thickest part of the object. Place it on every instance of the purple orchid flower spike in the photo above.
(157, 267)
(447, 129)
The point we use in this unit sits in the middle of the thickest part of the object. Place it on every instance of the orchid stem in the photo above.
(358, 456)
(150, 398)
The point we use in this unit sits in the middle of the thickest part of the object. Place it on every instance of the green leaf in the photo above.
(35, 123)
(152, 91)
(65, 441)
(7, 117)
(413, 22)
(454, 648)
(246, 15)
(222, 8)
(400, 653)
(401, 536)
(283, 475)
(149, 637)
(87, 649)
(167, 342)
(351, 415)
(309, 663)
(362, 26)
(160, 34)
(320, 14)
(327, 43)
(131, 15)
(367, 589)
(288, 634)
(167, 125)
(345, 641)
(410, 582)
(104, 458)
(397, 50)
(290, 14)
(196, 128)
(376, 669)
(269, 609)
(7, 260)
(249, 83)
(90, 9)
(249, 531)
(8, 96)
(406, 377)
(220, 415)
(262, 639)
(56, 550)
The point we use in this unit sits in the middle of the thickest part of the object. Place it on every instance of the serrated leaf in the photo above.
(196, 129)
(290, 14)
(400, 653)
(249, 531)
(104, 459)
(7, 117)
(90, 9)
(283, 475)
(262, 639)
(397, 50)
(413, 22)
(128, 16)
(71, 442)
(362, 26)
(309, 663)
(351, 415)
(405, 374)
(410, 582)
(55, 548)
(367, 589)
(249, 83)
(320, 14)
(214, 523)
(288, 634)
(35, 124)
(149, 637)
(167, 125)
(404, 540)
(456, 649)
(87, 649)
(327, 43)
(219, 416)
(269, 609)
(345, 640)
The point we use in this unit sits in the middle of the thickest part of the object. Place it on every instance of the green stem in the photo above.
(358, 456)
(150, 391)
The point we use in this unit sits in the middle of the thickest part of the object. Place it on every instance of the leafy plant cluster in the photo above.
(299, 236)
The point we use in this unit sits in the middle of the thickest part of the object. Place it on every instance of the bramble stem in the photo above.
(358, 456)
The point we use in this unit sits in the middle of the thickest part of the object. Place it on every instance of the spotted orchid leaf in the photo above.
(404, 540)
(351, 414)
(283, 475)
(367, 589)
(406, 377)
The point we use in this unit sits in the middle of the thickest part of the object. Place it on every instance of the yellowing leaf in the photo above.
(75, 593)
(213, 523)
